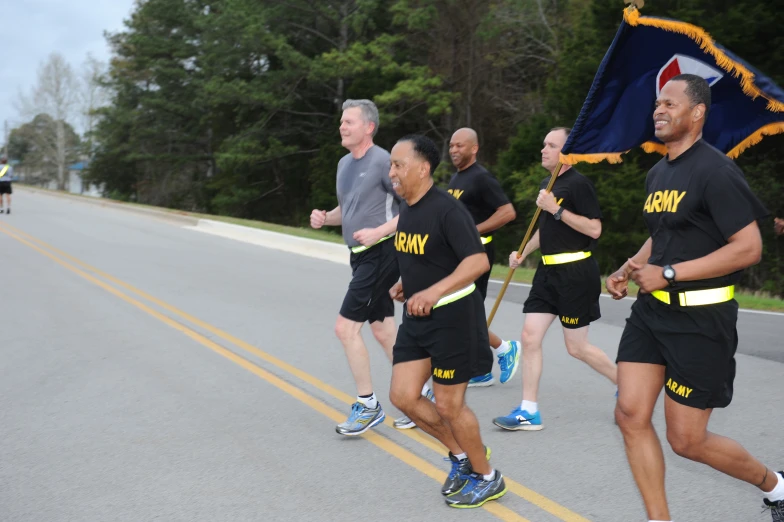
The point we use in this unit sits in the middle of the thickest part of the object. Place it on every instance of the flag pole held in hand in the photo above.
(522, 246)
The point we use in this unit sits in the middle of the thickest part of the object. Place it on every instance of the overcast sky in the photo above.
(32, 29)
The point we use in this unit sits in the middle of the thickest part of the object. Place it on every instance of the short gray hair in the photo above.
(368, 109)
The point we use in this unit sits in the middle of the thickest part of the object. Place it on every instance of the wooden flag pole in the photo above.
(522, 246)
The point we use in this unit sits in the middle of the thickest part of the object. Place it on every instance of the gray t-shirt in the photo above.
(365, 193)
(8, 175)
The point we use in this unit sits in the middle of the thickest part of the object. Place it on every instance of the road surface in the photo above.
(153, 372)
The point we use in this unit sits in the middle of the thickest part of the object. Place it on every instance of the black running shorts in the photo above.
(696, 344)
(374, 272)
(5, 187)
(481, 283)
(454, 337)
(569, 290)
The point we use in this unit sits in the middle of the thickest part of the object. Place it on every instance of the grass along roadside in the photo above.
(745, 299)
(522, 275)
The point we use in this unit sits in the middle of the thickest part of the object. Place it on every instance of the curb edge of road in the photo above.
(105, 202)
(337, 253)
(315, 248)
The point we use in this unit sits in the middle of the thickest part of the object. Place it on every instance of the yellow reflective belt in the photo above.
(454, 296)
(486, 240)
(558, 259)
(2, 172)
(697, 297)
(362, 248)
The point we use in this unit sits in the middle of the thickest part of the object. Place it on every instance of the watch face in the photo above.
(669, 273)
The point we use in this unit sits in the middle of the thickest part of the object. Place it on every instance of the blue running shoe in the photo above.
(520, 419)
(361, 419)
(481, 381)
(509, 362)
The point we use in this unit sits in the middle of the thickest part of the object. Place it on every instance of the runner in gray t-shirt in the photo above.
(368, 212)
(365, 195)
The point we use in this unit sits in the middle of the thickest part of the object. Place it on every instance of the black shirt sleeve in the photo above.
(492, 193)
(461, 234)
(730, 201)
(586, 203)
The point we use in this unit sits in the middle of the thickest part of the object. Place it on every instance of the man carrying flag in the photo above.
(567, 283)
(702, 219)
(654, 89)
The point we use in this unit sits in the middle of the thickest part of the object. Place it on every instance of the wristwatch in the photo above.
(558, 213)
(669, 274)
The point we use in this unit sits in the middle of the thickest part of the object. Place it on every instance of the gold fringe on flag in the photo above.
(768, 130)
(652, 146)
(609, 157)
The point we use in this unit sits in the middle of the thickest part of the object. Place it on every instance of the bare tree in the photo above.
(92, 96)
(56, 94)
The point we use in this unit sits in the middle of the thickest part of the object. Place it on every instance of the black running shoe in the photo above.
(776, 507)
(477, 491)
(457, 475)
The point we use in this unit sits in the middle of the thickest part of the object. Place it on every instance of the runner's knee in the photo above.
(383, 332)
(630, 419)
(532, 339)
(576, 348)
(686, 445)
(345, 329)
(403, 399)
(449, 408)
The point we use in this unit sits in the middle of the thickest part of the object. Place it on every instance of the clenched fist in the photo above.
(318, 218)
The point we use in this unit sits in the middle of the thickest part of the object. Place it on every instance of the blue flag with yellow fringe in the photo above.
(617, 115)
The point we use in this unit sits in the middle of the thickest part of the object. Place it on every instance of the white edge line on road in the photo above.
(746, 310)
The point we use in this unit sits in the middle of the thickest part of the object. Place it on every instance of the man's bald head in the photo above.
(466, 134)
(463, 148)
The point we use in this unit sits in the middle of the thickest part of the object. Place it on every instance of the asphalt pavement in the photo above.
(153, 372)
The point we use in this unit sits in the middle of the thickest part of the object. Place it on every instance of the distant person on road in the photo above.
(6, 175)
(567, 283)
(368, 212)
(483, 197)
(444, 329)
(682, 333)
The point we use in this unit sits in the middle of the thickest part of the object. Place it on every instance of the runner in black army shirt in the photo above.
(566, 285)
(444, 330)
(482, 195)
(702, 219)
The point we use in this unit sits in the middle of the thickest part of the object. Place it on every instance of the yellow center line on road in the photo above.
(376, 439)
(518, 489)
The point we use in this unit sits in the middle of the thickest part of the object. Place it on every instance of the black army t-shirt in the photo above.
(694, 204)
(433, 236)
(479, 191)
(575, 193)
